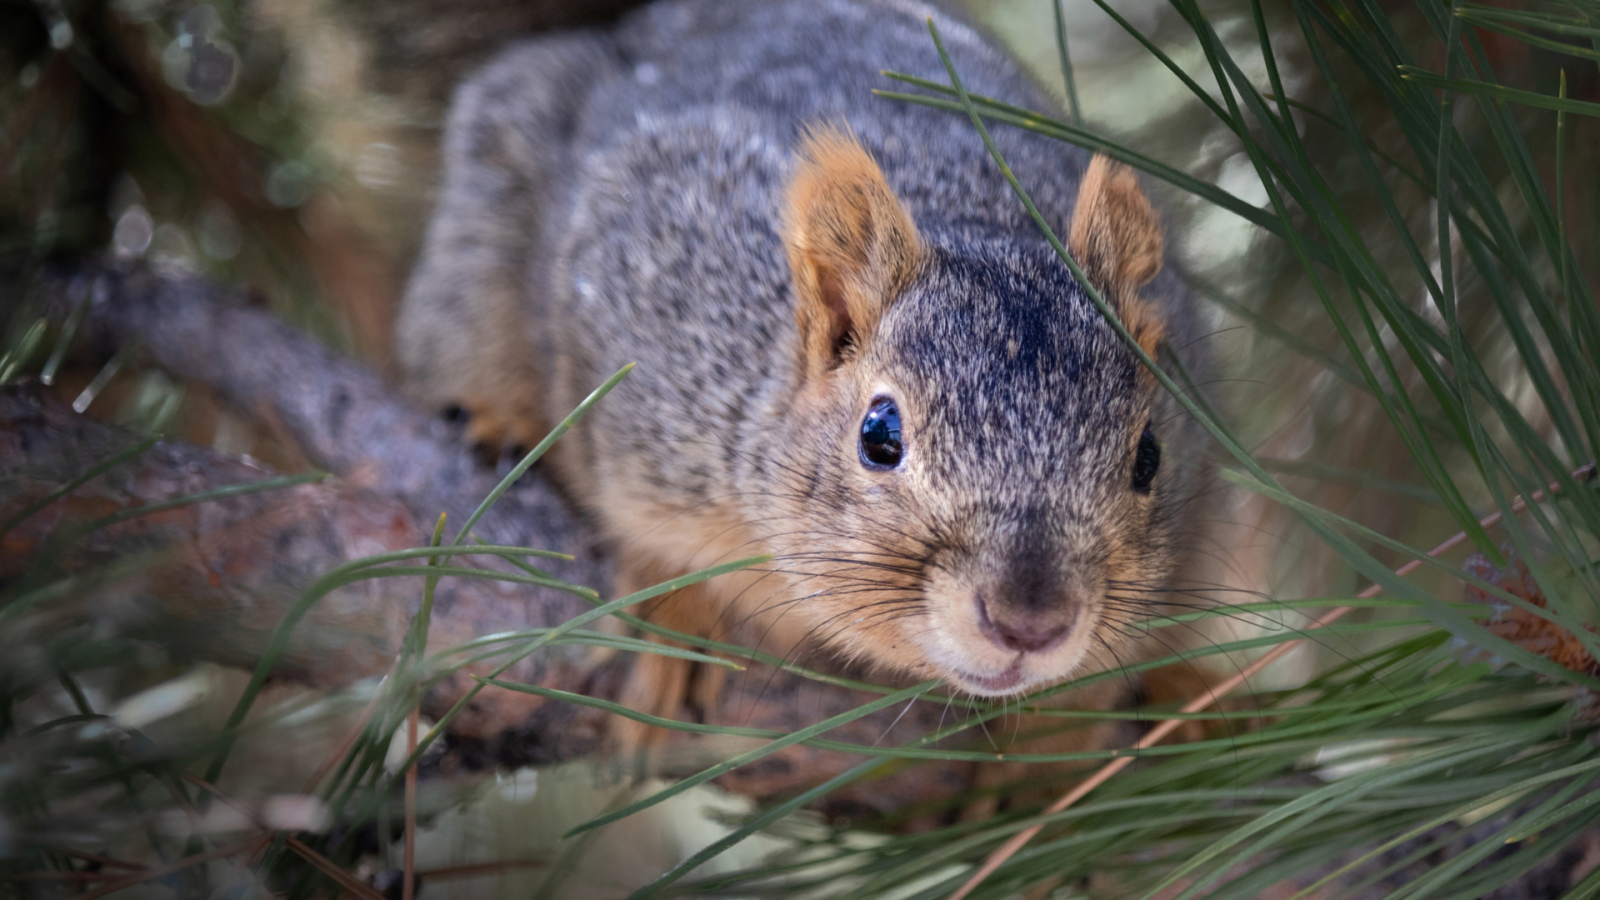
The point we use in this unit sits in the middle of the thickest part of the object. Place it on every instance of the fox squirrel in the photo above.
(855, 350)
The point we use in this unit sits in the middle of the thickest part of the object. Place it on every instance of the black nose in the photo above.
(1026, 633)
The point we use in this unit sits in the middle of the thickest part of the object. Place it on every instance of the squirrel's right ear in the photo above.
(1116, 238)
(852, 247)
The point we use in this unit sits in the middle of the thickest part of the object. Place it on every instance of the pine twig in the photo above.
(326, 866)
(477, 870)
(178, 865)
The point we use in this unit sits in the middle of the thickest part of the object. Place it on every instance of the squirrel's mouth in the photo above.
(994, 685)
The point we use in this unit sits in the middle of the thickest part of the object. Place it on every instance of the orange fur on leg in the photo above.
(501, 429)
(662, 685)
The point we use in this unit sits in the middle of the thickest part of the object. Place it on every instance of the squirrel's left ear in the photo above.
(852, 246)
(1116, 238)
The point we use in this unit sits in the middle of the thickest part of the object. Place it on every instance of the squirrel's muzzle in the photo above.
(1023, 631)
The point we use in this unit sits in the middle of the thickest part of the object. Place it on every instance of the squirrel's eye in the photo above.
(1146, 460)
(880, 435)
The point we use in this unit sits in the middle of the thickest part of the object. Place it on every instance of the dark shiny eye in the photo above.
(880, 435)
(1146, 460)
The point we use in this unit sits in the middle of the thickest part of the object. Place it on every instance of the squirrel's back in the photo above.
(787, 65)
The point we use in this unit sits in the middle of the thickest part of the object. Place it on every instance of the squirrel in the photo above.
(856, 351)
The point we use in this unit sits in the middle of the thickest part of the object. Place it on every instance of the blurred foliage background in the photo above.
(287, 146)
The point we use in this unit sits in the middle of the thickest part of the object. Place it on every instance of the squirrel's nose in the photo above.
(1022, 633)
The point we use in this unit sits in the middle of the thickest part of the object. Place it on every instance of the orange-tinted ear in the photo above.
(852, 247)
(1116, 238)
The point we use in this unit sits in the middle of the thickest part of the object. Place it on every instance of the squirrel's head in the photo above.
(979, 484)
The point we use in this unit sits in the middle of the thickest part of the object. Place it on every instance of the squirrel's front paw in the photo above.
(496, 437)
(656, 685)
(668, 688)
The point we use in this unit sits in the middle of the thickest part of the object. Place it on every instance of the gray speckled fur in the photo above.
(632, 205)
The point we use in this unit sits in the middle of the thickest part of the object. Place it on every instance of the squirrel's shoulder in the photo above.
(781, 67)
(801, 59)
